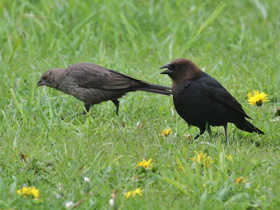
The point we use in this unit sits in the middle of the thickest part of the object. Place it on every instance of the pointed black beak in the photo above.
(167, 66)
(40, 83)
(168, 71)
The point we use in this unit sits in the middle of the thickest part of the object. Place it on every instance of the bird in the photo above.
(93, 84)
(202, 101)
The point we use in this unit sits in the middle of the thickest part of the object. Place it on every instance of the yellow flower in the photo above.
(166, 132)
(145, 164)
(25, 191)
(257, 98)
(179, 168)
(133, 193)
(202, 159)
(239, 180)
(230, 158)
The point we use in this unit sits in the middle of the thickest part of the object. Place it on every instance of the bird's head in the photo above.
(181, 69)
(51, 78)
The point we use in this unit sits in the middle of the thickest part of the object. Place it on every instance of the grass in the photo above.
(237, 42)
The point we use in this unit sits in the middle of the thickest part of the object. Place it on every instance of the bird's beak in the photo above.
(168, 71)
(40, 83)
(167, 66)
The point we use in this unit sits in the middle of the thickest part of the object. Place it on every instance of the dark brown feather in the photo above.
(93, 84)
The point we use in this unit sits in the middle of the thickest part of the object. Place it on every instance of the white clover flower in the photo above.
(69, 204)
(86, 179)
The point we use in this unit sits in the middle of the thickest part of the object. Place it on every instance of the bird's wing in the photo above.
(89, 75)
(214, 89)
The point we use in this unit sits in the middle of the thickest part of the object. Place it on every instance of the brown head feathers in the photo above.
(51, 78)
(181, 69)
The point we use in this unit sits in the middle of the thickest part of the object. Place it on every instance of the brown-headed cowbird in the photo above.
(93, 84)
(202, 101)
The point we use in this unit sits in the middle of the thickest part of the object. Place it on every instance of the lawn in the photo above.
(85, 161)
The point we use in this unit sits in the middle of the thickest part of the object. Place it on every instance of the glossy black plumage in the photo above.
(202, 101)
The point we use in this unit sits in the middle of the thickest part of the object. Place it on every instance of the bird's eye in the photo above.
(178, 66)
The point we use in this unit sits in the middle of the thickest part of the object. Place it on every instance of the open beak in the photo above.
(40, 83)
(168, 71)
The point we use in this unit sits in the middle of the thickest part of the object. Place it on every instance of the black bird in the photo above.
(202, 101)
(93, 84)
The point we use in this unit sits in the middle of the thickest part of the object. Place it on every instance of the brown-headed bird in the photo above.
(93, 84)
(202, 101)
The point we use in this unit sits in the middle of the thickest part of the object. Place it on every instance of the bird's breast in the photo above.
(189, 102)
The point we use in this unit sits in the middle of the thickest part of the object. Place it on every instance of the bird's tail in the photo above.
(156, 89)
(249, 127)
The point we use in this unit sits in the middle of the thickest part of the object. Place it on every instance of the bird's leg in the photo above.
(86, 109)
(225, 127)
(202, 130)
(117, 104)
(208, 129)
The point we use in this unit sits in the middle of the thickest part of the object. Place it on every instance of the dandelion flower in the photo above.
(166, 132)
(145, 164)
(133, 193)
(230, 158)
(239, 180)
(257, 98)
(179, 168)
(29, 191)
(203, 159)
